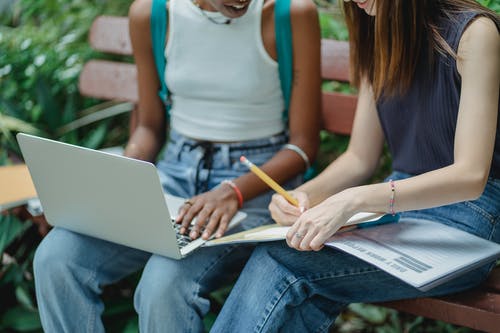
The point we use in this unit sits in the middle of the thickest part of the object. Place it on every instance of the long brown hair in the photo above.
(386, 48)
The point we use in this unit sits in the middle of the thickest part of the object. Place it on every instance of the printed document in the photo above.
(421, 253)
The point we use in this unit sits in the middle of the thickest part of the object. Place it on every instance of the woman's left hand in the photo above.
(316, 225)
(213, 211)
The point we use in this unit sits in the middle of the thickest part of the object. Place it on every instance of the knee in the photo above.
(46, 260)
(52, 261)
(163, 282)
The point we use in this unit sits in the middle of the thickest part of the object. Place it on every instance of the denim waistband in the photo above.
(273, 141)
(209, 150)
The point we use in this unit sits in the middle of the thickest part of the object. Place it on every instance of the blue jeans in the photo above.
(172, 295)
(284, 290)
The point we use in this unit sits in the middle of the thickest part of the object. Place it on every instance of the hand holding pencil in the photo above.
(269, 181)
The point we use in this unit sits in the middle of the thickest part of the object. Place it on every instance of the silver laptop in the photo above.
(111, 197)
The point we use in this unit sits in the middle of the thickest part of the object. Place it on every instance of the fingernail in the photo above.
(192, 234)
(182, 230)
(302, 209)
(205, 235)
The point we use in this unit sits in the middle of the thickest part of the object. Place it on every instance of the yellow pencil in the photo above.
(269, 181)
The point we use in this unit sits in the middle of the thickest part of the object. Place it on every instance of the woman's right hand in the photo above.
(283, 212)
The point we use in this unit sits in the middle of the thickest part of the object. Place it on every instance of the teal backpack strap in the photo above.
(283, 31)
(158, 32)
(284, 48)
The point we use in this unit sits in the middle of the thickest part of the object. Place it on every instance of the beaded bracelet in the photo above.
(393, 195)
(300, 152)
(239, 196)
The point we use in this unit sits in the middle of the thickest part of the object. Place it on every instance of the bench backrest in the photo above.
(112, 80)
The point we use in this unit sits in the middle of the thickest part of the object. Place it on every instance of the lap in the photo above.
(343, 278)
(108, 261)
(207, 268)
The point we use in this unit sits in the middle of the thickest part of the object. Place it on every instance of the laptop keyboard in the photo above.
(182, 240)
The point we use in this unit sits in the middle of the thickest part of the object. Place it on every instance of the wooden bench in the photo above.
(478, 309)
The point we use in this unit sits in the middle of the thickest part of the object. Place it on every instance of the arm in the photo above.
(149, 135)
(351, 168)
(220, 204)
(479, 66)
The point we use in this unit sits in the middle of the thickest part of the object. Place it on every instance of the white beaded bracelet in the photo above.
(299, 151)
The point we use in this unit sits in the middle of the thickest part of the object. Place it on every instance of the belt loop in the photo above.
(225, 156)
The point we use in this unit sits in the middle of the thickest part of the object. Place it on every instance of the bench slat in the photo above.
(335, 60)
(338, 112)
(109, 80)
(493, 282)
(475, 309)
(110, 34)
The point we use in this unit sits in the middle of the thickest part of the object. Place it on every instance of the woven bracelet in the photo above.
(392, 198)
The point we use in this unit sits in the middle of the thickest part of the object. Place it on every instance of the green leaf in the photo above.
(96, 137)
(21, 319)
(373, 314)
(10, 229)
(24, 298)
(51, 112)
(132, 325)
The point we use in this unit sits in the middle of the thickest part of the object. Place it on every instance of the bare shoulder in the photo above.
(481, 35)
(140, 12)
(303, 8)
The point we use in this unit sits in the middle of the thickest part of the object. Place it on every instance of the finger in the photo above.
(224, 222)
(183, 209)
(293, 229)
(319, 239)
(212, 224)
(280, 217)
(297, 236)
(201, 221)
(305, 243)
(285, 206)
(303, 200)
(188, 217)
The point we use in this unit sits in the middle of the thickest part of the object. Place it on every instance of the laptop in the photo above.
(111, 197)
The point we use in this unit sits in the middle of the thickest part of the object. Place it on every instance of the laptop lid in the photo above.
(106, 196)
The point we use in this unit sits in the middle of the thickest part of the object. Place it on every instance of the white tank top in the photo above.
(224, 85)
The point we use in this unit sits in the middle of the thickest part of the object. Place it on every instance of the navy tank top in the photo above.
(420, 126)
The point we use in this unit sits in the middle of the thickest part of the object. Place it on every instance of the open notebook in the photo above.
(273, 232)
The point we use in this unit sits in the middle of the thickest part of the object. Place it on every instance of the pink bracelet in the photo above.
(239, 196)
(393, 195)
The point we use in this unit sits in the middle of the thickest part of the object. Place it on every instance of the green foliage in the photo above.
(17, 308)
(369, 318)
(492, 4)
(43, 45)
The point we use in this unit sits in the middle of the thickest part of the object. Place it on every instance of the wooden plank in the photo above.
(475, 309)
(493, 282)
(335, 60)
(109, 80)
(110, 34)
(16, 187)
(338, 112)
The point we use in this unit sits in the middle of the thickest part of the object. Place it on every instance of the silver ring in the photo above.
(299, 236)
